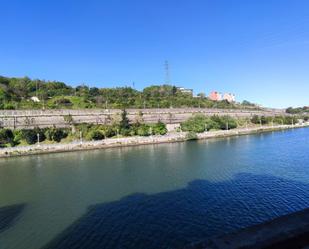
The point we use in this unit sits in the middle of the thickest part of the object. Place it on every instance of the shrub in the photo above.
(17, 137)
(95, 135)
(212, 125)
(108, 131)
(63, 101)
(191, 136)
(30, 136)
(143, 130)
(264, 120)
(159, 129)
(225, 122)
(288, 120)
(6, 137)
(255, 119)
(196, 123)
(68, 119)
(56, 134)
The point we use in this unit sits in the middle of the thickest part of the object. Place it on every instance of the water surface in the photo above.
(154, 196)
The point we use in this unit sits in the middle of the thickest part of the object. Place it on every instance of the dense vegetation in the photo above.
(200, 123)
(281, 120)
(298, 110)
(16, 93)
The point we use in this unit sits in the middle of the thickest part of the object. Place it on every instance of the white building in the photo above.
(185, 90)
(35, 99)
(229, 97)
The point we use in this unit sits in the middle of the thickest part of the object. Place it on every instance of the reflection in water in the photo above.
(9, 214)
(177, 218)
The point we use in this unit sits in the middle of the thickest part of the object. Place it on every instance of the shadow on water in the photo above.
(174, 219)
(9, 214)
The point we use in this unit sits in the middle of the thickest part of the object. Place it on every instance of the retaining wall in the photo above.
(18, 119)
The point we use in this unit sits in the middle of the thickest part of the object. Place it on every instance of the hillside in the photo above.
(16, 93)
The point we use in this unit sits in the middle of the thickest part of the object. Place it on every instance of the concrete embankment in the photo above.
(131, 141)
(286, 232)
(27, 119)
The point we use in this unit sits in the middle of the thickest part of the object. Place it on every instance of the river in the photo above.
(152, 196)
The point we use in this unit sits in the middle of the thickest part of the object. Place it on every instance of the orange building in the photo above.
(215, 96)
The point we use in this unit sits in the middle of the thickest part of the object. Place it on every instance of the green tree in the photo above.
(124, 124)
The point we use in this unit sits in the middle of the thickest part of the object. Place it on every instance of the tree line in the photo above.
(201, 123)
(298, 110)
(16, 93)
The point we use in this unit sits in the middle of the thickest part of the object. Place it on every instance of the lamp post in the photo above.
(38, 137)
(80, 137)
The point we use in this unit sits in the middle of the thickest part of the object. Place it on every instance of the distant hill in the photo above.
(25, 93)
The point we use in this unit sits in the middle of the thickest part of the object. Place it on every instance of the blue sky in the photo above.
(257, 49)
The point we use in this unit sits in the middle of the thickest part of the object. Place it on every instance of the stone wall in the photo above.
(18, 119)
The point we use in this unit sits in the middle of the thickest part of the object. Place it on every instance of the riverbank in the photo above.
(133, 141)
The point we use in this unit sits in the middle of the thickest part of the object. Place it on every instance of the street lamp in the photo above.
(80, 137)
(38, 136)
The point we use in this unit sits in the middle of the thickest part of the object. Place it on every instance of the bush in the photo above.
(95, 135)
(196, 124)
(108, 131)
(63, 102)
(18, 136)
(264, 120)
(225, 122)
(288, 120)
(159, 129)
(255, 119)
(30, 136)
(191, 136)
(200, 123)
(6, 137)
(56, 134)
(8, 106)
(143, 130)
(212, 125)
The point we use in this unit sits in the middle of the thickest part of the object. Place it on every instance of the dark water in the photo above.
(157, 196)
